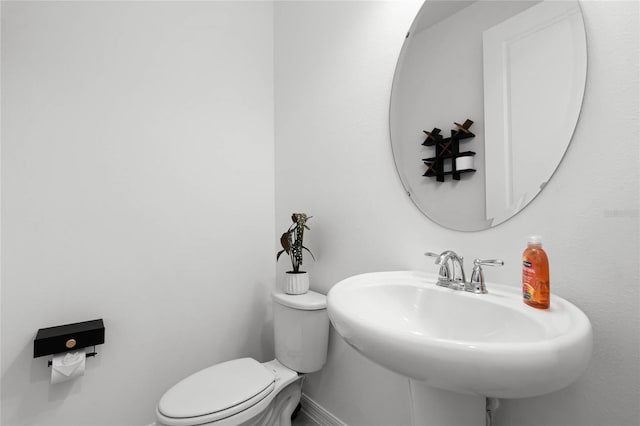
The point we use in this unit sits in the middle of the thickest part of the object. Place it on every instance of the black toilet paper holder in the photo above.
(63, 338)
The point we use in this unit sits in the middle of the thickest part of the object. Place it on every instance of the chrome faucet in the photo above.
(452, 276)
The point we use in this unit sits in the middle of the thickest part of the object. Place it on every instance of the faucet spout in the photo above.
(454, 264)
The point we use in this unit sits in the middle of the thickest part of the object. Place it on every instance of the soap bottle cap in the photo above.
(535, 239)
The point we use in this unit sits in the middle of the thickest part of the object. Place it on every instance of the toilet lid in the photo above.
(226, 388)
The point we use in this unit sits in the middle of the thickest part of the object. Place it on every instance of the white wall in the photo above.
(137, 186)
(334, 65)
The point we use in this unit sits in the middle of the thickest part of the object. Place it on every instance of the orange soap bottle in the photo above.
(535, 274)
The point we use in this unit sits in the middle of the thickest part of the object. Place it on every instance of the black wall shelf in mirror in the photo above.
(448, 150)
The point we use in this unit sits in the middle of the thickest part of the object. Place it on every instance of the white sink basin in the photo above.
(491, 345)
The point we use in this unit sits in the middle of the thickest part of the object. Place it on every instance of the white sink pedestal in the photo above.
(436, 407)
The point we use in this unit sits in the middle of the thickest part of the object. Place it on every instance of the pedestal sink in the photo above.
(487, 345)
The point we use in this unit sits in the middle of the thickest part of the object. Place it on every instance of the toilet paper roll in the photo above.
(68, 366)
(463, 163)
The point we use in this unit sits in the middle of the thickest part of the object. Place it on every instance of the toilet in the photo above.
(246, 392)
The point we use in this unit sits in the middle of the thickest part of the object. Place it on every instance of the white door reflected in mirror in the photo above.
(534, 78)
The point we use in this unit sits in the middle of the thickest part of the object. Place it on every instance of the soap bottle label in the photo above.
(528, 281)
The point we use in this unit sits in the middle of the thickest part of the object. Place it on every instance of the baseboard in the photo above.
(318, 413)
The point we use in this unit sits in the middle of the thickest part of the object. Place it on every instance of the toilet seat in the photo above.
(217, 392)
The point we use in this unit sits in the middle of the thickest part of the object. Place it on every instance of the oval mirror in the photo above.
(517, 70)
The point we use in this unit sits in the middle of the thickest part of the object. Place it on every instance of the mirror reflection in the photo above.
(517, 69)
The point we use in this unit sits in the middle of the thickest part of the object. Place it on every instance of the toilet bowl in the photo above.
(246, 392)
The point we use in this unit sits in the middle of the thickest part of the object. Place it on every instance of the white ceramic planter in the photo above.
(296, 283)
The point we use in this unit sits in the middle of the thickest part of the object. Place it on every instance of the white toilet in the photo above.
(245, 392)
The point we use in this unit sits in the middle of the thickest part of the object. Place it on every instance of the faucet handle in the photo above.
(439, 256)
(477, 276)
(488, 262)
(444, 275)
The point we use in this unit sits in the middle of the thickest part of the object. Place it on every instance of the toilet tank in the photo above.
(301, 330)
